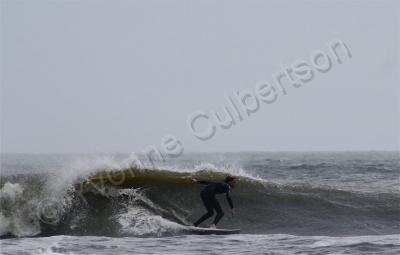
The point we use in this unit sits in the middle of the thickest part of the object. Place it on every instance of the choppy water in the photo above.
(287, 203)
(234, 244)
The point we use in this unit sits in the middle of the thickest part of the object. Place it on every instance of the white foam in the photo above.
(18, 225)
(11, 191)
(139, 221)
(18, 220)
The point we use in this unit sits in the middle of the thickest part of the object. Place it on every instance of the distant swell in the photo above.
(162, 201)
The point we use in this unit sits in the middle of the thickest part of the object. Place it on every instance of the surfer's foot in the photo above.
(213, 226)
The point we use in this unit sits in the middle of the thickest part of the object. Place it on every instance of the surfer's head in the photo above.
(231, 180)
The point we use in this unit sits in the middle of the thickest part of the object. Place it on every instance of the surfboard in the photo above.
(212, 231)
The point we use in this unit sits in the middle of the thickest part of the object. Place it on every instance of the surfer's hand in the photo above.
(233, 212)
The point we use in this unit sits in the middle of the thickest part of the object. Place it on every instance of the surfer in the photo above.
(211, 203)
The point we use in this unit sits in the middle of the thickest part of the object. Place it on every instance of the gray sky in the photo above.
(116, 76)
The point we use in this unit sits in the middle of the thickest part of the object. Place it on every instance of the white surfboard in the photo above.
(213, 231)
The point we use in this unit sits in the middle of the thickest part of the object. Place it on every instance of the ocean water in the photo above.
(286, 203)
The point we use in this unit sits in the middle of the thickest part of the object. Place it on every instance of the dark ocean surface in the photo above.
(286, 203)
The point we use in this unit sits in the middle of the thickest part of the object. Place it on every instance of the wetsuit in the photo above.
(210, 202)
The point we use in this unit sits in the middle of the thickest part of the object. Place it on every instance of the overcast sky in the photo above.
(116, 76)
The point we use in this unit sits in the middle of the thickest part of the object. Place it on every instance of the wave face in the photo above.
(152, 202)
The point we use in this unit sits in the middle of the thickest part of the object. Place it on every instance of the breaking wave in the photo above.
(154, 202)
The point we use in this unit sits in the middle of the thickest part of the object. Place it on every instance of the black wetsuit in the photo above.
(210, 202)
